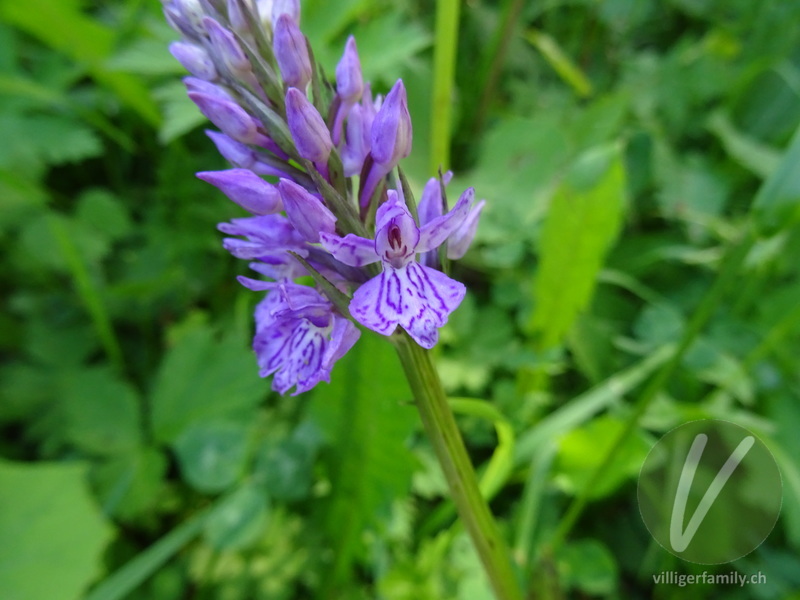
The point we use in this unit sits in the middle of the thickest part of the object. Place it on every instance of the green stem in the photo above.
(442, 430)
(88, 292)
(498, 48)
(727, 275)
(444, 68)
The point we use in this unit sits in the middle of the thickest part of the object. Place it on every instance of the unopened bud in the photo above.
(391, 129)
(228, 116)
(305, 212)
(194, 59)
(247, 189)
(309, 132)
(291, 52)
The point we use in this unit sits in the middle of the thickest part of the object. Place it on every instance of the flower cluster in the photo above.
(335, 206)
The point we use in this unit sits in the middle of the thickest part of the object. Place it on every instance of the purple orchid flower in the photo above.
(299, 336)
(431, 206)
(406, 293)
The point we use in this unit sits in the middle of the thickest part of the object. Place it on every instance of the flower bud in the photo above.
(194, 59)
(285, 7)
(247, 189)
(391, 129)
(227, 49)
(309, 132)
(189, 14)
(236, 17)
(200, 86)
(291, 52)
(228, 116)
(305, 212)
(349, 81)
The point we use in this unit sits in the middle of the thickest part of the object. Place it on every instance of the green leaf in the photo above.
(589, 566)
(129, 485)
(104, 212)
(749, 152)
(101, 412)
(239, 520)
(212, 455)
(581, 450)
(126, 579)
(64, 27)
(777, 204)
(285, 467)
(52, 536)
(362, 417)
(204, 379)
(562, 64)
(583, 222)
(180, 114)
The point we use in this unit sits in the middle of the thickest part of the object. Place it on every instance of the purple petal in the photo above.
(393, 207)
(308, 129)
(349, 81)
(434, 233)
(417, 298)
(391, 129)
(308, 214)
(459, 242)
(194, 59)
(226, 48)
(228, 116)
(343, 337)
(351, 249)
(247, 189)
(291, 52)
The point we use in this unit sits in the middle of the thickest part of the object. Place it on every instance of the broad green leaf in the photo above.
(105, 212)
(285, 467)
(52, 535)
(777, 204)
(584, 220)
(581, 450)
(239, 519)
(203, 379)
(212, 454)
(64, 27)
(129, 485)
(589, 566)
(365, 417)
(101, 412)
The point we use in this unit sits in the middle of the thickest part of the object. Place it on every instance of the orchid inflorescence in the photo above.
(341, 210)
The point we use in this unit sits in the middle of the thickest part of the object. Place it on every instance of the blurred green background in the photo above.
(643, 191)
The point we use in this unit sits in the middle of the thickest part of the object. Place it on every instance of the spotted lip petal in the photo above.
(415, 297)
(299, 337)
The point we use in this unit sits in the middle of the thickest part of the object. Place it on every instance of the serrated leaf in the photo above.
(363, 417)
(203, 379)
(52, 535)
(583, 222)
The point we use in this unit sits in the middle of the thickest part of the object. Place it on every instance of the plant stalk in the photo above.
(442, 430)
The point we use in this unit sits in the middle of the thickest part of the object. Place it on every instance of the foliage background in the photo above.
(621, 144)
